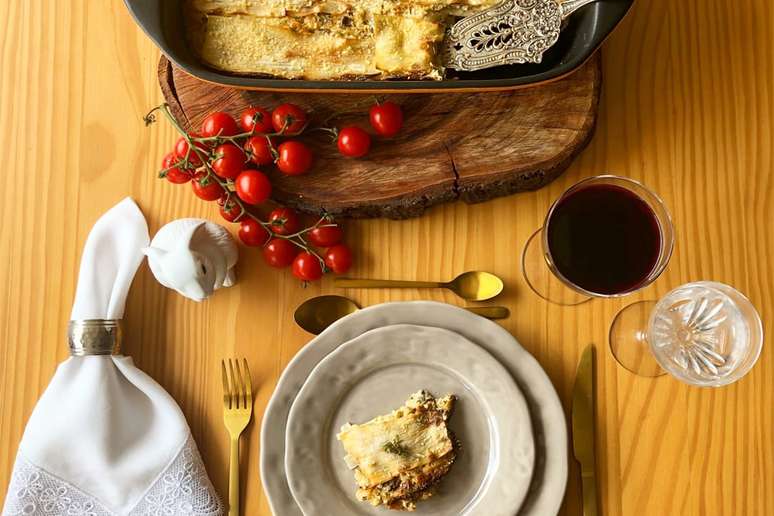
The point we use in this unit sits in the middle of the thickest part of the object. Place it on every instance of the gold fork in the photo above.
(237, 410)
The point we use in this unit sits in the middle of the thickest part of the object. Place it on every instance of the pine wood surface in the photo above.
(687, 107)
(465, 146)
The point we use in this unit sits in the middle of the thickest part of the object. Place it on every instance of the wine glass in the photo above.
(605, 236)
(703, 333)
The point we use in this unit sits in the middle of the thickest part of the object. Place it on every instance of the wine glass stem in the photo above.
(629, 339)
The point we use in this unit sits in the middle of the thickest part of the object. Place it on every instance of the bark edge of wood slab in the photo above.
(467, 146)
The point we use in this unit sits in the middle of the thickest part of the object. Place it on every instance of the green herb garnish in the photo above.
(396, 447)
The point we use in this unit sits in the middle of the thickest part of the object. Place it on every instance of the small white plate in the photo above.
(374, 374)
(549, 426)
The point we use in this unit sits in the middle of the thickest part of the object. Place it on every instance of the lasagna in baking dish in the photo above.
(398, 458)
(324, 39)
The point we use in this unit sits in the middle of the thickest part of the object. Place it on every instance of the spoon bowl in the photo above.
(476, 285)
(317, 313)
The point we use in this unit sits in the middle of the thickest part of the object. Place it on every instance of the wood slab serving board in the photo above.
(468, 146)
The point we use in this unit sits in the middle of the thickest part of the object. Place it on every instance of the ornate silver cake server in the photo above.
(513, 32)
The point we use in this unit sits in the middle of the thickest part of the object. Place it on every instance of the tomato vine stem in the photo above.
(296, 238)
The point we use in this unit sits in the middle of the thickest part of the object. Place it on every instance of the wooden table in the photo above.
(688, 108)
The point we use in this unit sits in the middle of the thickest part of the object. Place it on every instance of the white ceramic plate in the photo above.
(549, 428)
(374, 374)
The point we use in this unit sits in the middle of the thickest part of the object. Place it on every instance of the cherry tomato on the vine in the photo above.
(280, 252)
(257, 117)
(288, 119)
(219, 124)
(306, 267)
(252, 186)
(354, 142)
(386, 118)
(295, 158)
(229, 160)
(338, 258)
(252, 233)
(174, 174)
(284, 221)
(259, 151)
(206, 188)
(229, 209)
(325, 236)
(181, 149)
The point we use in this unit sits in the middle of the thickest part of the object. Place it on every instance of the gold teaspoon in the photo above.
(472, 285)
(317, 313)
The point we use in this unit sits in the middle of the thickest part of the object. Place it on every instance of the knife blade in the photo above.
(583, 429)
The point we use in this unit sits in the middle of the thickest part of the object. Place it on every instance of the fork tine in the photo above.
(241, 386)
(249, 384)
(234, 386)
(226, 390)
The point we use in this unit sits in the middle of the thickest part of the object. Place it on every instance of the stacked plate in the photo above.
(513, 459)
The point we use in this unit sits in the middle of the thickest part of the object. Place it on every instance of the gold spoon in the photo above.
(472, 285)
(317, 313)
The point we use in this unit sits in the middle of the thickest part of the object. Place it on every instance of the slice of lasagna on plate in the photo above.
(398, 458)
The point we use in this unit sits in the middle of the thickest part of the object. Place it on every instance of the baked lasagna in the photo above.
(398, 458)
(324, 39)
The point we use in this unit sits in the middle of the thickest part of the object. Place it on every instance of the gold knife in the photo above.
(583, 429)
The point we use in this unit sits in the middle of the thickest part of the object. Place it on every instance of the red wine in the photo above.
(604, 239)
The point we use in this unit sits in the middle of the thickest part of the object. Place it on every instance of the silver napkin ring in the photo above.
(94, 337)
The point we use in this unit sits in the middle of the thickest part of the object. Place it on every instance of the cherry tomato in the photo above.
(354, 142)
(229, 160)
(252, 186)
(229, 209)
(259, 151)
(289, 117)
(181, 149)
(174, 174)
(338, 258)
(219, 124)
(295, 158)
(326, 236)
(280, 252)
(386, 118)
(307, 267)
(284, 221)
(209, 191)
(251, 233)
(256, 117)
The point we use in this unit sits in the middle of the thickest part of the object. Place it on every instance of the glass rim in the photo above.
(665, 253)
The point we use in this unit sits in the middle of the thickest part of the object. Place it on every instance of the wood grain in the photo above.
(469, 146)
(687, 108)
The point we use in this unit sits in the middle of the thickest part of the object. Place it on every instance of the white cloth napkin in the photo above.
(105, 439)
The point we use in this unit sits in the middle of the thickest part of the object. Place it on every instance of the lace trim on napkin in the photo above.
(184, 488)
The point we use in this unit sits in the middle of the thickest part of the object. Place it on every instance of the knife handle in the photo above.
(589, 488)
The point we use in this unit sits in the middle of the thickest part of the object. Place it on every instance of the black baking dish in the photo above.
(583, 34)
